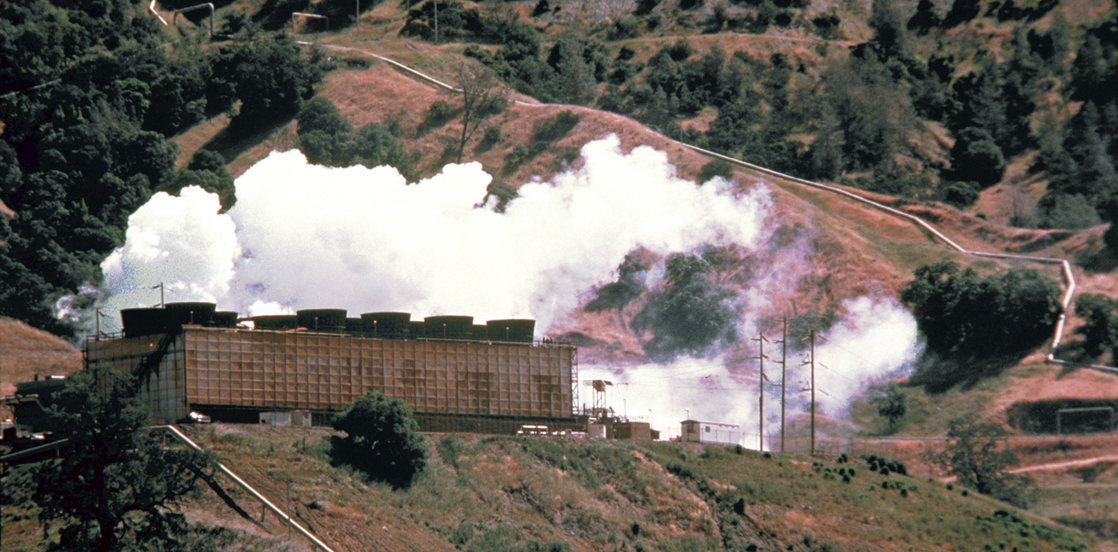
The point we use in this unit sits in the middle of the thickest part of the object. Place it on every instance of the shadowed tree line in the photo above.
(90, 144)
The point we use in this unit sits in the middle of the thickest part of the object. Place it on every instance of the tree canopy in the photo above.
(962, 315)
(975, 454)
(629, 286)
(382, 440)
(90, 94)
(691, 315)
(114, 484)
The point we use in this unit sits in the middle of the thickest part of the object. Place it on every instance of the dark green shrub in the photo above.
(691, 315)
(961, 194)
(1071, 212)
(717, 167)
(320, 114)
(976, 157)
(449, 450)
(382, 440)
(438, 113)
(491, 135)
(963, 316)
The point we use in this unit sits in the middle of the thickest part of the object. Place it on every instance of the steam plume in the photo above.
(875, 339)
(305, 236)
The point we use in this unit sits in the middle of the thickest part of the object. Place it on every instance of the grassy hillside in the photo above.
(28, 352)
(516, 494)
(505, 493)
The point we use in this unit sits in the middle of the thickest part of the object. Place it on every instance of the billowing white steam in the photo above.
(873, 340)
(179, 241)
(306, 236)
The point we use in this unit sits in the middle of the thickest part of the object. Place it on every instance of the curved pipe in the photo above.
(1069, 278)
(151, 8)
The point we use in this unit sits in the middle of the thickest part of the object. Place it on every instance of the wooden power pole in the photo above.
(813, 392)
(761, 392)
(783, 377)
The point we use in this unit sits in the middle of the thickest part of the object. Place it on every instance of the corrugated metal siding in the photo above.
(308, 371)
(164, 387)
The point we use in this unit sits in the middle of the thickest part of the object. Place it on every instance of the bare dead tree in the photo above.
(483, 94)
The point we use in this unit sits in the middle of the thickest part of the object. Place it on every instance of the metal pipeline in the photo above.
(282, 515)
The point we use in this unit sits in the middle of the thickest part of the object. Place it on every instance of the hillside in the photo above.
(816, 253)
(500, 493)
(30, 353)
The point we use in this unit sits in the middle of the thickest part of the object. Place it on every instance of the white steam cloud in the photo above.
(306, 236)
(873, 340)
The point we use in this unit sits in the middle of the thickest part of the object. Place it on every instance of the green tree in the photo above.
(482, 95)
(925, 18)
(1067, 211)
(964, 316)
(207, 171)
(269, 76)
(691, 316)
(975, 157)
(976, 454)
(889, 36)
(115, 482)
(575, 80)
(800, 326)
(382, 440)
(618, 294)
(320, 114)
(1100, 323)
(961, 11)
(716, 167)
(891, 404)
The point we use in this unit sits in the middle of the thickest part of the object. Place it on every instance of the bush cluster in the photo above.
(692, 315)
(884, 466)
(964, 316)
(382, 440)
(1100, 327)
(327, 138)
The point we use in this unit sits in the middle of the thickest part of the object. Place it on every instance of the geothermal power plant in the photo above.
(454, 374)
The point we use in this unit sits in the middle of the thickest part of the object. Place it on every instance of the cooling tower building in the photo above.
(455, 375)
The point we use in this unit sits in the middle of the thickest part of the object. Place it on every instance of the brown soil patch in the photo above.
(197, 136)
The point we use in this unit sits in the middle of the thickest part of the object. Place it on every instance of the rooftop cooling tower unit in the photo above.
(225, 319)
(387, 325)
(139, 322)
(322, 320)
(278, 322)
(353, 326)
(200, 314)
(519, 330)
(449, 327)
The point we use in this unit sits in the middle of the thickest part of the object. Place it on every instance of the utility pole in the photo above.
(761, 392)
(783, 377)
(813, 392)
(436, 3)
(160, 286)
